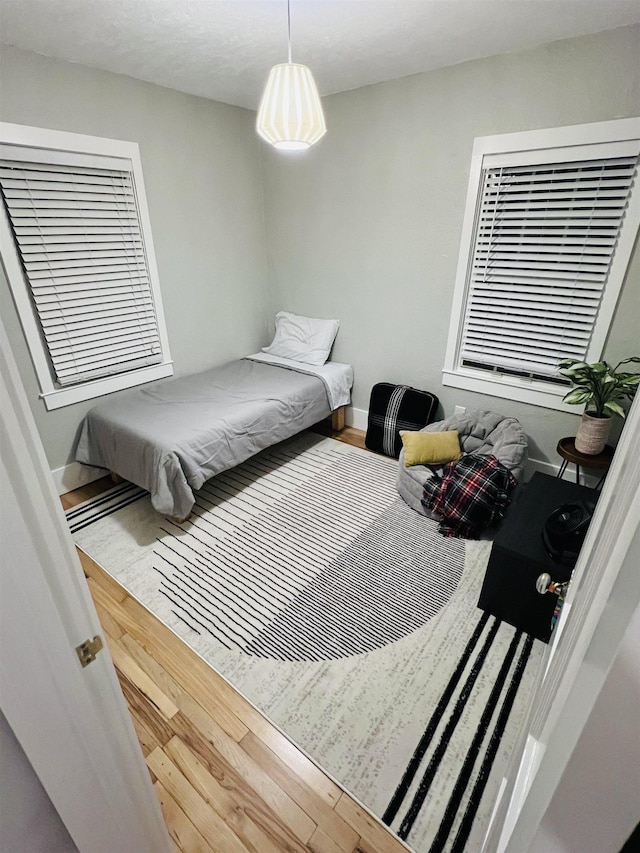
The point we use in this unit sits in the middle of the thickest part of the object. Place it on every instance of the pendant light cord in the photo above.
(289, 27)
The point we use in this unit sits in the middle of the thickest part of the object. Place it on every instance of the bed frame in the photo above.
(337, 419)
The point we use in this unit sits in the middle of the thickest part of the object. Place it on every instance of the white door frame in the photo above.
(72, 723)
(603, 596)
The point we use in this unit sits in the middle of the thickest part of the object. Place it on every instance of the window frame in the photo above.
(525, 389)
(53, 395)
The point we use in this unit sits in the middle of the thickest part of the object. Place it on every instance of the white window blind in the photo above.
(79, 237)
(545, 236)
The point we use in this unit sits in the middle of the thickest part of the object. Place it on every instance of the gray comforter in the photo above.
(172, 436)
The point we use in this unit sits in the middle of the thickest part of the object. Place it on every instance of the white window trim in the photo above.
(53, 396)
(523, 389)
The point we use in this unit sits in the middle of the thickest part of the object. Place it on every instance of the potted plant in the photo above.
(601, 388)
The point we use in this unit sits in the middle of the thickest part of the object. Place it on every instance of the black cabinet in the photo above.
(518, 556)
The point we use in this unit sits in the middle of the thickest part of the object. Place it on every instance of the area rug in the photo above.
(346, 618)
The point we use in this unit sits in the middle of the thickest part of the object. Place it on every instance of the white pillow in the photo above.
(304, 339)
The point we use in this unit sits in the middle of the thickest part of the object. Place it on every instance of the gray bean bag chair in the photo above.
(480, 432)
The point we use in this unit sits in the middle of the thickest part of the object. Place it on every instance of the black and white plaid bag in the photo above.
(396, 407)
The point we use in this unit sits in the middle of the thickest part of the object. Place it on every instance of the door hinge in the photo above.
(88, 650)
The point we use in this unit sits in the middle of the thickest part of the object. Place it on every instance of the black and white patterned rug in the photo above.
(305, 580)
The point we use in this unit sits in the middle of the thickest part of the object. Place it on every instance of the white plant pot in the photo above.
(592, 434)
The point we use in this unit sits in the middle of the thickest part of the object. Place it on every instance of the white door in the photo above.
(71, 722)
(603, 596)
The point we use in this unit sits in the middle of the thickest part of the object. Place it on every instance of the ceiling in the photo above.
(223, 49)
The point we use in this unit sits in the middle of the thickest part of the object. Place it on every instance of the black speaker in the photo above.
(565, 529)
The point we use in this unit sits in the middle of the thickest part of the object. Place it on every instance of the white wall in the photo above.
(366, 225)
(202, 174)
(596, 805)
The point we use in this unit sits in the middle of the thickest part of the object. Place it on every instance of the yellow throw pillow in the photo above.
(430, 448)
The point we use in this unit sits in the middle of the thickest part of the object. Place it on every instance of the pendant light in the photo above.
(290, 114)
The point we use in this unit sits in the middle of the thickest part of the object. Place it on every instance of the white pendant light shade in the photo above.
(290, 115)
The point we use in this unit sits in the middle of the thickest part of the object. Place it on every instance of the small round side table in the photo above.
(600, 461)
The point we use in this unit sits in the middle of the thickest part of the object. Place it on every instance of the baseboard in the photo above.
(552, 469)
(356, 418)
(533, 465)
(74, 475)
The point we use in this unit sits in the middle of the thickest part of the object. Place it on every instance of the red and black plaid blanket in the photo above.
(472, 494)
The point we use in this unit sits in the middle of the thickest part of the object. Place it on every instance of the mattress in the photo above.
(172, 436)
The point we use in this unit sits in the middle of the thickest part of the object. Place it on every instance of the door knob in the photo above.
(544, 584)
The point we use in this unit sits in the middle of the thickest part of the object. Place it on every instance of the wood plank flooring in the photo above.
(227, 780)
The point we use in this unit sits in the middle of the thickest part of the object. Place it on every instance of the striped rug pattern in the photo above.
(290, 557)
(346, 618)
(410, 796)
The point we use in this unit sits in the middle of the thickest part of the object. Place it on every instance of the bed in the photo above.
(172, 436)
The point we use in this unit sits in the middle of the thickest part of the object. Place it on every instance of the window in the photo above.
(77, 249)
(550, 224)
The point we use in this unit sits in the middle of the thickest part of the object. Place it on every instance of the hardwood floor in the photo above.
(227, 780)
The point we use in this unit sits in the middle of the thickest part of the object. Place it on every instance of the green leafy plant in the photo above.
(599, 385)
